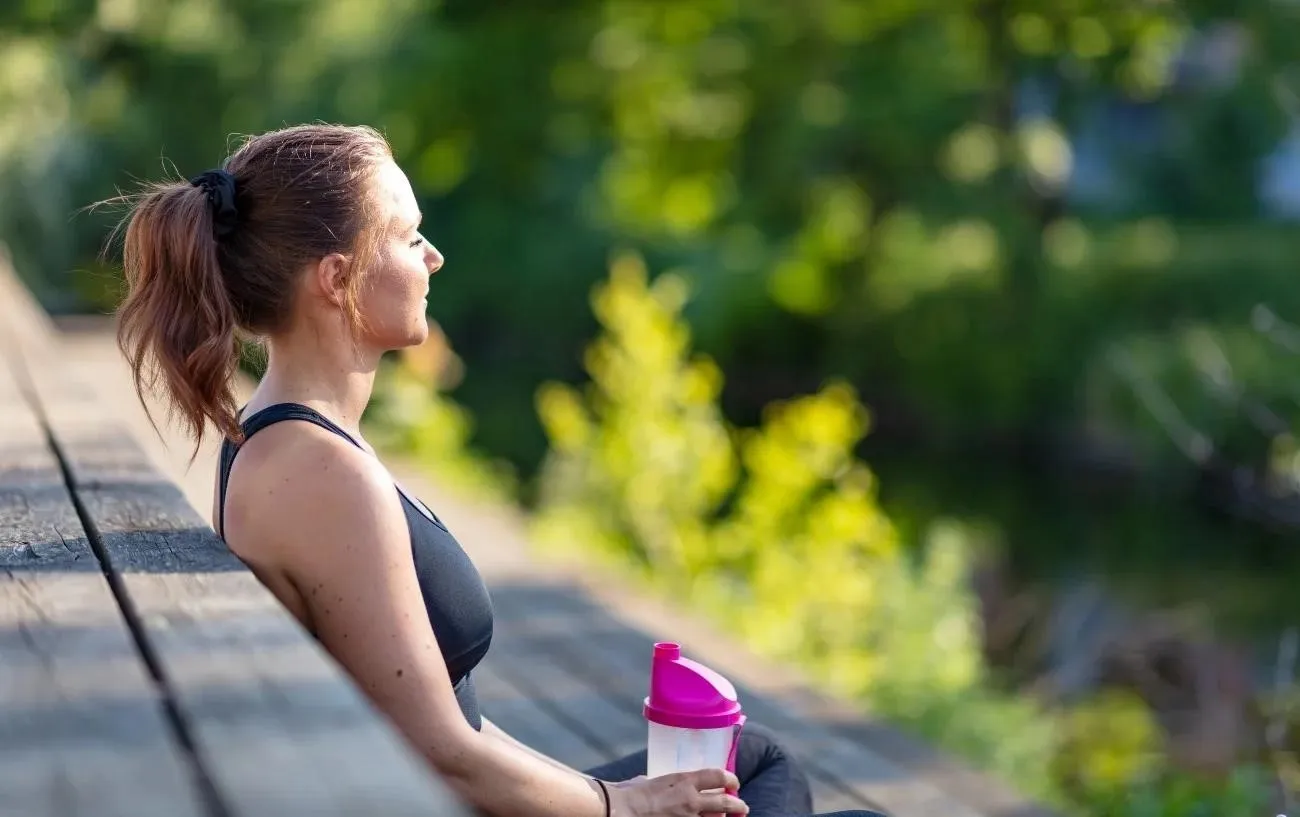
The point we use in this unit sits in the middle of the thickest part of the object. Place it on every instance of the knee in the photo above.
(762, 741)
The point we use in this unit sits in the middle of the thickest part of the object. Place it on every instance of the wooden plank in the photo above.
(531, 626)
(548, 679)
(532, 667)
(498, 542)
(494, 538)
(82, 725)
(507, 564)
(522, 716)
(615, 656)
(279, 727)
(797, 697)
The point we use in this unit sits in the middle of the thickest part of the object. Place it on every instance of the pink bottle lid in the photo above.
(688, 695)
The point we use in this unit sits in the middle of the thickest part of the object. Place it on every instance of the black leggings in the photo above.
(771, 783)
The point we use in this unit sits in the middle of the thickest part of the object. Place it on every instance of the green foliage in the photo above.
(774, 527)
(890, 195)
(775, 532)
(1245, 793)
(1110, 743)
(831, 176)
(1111, 761)
(656, 453)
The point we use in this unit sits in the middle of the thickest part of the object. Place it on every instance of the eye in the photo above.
(417, 242)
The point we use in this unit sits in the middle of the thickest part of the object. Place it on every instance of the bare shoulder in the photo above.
(323, 522)
(296, 485)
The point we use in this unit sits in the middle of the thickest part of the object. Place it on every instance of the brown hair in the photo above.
(301, 193)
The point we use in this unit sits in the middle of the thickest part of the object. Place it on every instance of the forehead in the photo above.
(396, 198)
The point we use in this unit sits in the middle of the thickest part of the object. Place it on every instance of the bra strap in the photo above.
(268, 416)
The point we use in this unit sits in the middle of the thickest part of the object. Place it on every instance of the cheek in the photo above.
(396, 297)
(383, 299)
(398, 288)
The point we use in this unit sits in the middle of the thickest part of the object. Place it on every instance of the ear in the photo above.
(331, 275)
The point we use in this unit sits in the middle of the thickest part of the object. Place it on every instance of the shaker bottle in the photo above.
(693, 715)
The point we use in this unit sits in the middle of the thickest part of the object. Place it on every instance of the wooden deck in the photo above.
(144, 671)
(571, 654)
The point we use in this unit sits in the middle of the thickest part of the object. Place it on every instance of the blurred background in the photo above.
(949, 349)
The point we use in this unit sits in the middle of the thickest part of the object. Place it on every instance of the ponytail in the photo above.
(178, 322)
(200, 269)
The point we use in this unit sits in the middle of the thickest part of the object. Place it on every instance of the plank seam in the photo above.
(207, 790)
(537, 697)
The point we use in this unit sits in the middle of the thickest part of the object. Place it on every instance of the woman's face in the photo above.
(393, 298)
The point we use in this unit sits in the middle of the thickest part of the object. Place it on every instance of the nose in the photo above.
(432, 258)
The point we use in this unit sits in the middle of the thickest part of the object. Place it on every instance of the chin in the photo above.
(419, 335)
(395, 341)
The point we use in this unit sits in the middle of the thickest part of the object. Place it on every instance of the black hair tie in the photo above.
(219, 185)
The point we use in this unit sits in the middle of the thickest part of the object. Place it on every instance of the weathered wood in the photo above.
(533, 617)
(562, 677)
(497, 540)
(615, 658)
(82, 726)
(797, 697)
(39, 529)
(538, 673)
(278, 727)
(536, 670)
(526, 719)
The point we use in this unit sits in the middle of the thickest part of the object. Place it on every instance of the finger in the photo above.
(706, 779)
(722, 804)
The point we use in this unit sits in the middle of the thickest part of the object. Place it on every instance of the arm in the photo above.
(342, 539)
(492, 730)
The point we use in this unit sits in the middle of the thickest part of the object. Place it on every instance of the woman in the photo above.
(309, 237)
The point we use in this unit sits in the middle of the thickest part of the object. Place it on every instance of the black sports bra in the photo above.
(455, 596)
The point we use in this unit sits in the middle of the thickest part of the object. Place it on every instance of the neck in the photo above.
(321, 370)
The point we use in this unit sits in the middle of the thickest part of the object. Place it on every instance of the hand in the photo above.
(682, 794)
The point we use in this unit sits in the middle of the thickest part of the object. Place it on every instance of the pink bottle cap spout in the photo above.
(688, 695)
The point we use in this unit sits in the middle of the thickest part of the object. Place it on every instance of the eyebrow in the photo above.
(402, 224)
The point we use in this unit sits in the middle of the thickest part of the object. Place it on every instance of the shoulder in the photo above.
(296, 485)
